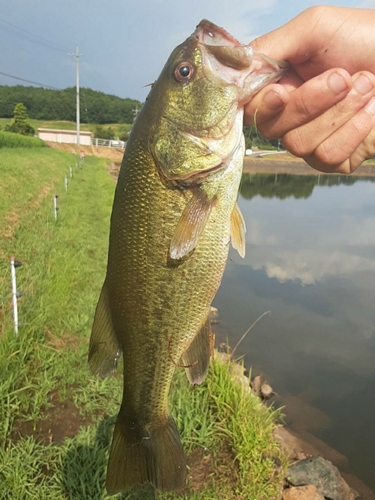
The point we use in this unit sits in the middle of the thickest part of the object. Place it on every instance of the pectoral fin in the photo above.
(196, 358)
(104, 349)
(191, 224)
(238, 231)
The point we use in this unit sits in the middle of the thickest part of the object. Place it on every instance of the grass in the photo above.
(56, 419)
(10, 140)
(233, 430)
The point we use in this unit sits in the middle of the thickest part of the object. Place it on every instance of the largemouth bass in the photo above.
(174, 214)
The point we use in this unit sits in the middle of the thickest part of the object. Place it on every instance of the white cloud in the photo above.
(308, 266)
(367, 4)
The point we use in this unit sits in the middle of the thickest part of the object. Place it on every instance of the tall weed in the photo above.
(12, 140)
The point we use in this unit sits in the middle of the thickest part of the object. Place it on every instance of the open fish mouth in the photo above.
(211, 34)
(224, 53)
(233, 61)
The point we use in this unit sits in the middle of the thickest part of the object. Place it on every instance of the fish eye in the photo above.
(184, 72)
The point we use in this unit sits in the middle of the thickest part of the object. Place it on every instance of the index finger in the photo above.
(308, 101)
(271, 100)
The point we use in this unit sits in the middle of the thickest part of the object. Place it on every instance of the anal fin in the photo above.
(104, 349)
(238, 231)
(196, 358)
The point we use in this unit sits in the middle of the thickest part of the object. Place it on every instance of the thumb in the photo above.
(293, 41)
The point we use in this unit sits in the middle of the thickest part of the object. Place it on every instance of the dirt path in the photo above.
(114, 154)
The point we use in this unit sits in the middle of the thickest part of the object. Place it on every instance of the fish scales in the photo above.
(150, 301)
(174, 215)
(162, 305)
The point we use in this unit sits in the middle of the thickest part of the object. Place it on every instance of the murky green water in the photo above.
(310, 261)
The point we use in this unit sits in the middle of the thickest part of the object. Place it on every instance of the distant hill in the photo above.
(48, 104)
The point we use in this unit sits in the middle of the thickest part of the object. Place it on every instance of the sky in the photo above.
(124, 43)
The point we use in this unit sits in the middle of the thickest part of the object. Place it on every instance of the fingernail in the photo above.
(370, 106)
(273, 100)
(362, 85)
(337, 83)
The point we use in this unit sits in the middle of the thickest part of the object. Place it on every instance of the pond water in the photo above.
(310, 260)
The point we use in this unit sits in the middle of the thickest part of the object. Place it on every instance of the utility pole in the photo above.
(77, 54)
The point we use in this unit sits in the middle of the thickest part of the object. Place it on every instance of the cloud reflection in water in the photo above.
(311, 261)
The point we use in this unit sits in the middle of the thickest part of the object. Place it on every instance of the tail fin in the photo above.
(138, 456)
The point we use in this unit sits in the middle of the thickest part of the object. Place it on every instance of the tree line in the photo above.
(48, 104)
(284, 186)
(95, 107)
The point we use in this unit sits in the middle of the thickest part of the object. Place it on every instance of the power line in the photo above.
(85, 106)
(29, 81)
(31, 37)
(94, 75)
(15, 30)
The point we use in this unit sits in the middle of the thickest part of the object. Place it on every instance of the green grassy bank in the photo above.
(118, 128)
(56, 419)
(10, 140)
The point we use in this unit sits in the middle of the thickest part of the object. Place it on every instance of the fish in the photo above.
(174, 215)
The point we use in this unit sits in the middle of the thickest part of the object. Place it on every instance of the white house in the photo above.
(65, 136)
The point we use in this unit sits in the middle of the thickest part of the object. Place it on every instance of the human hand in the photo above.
(324, 107)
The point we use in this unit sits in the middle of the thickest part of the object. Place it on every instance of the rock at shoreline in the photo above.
(321, 473)
(309, 492)
(266, 391)
(261, 387)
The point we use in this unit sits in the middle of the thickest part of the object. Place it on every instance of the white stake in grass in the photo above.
(15, 294)
(55, 207)
(66, 182)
